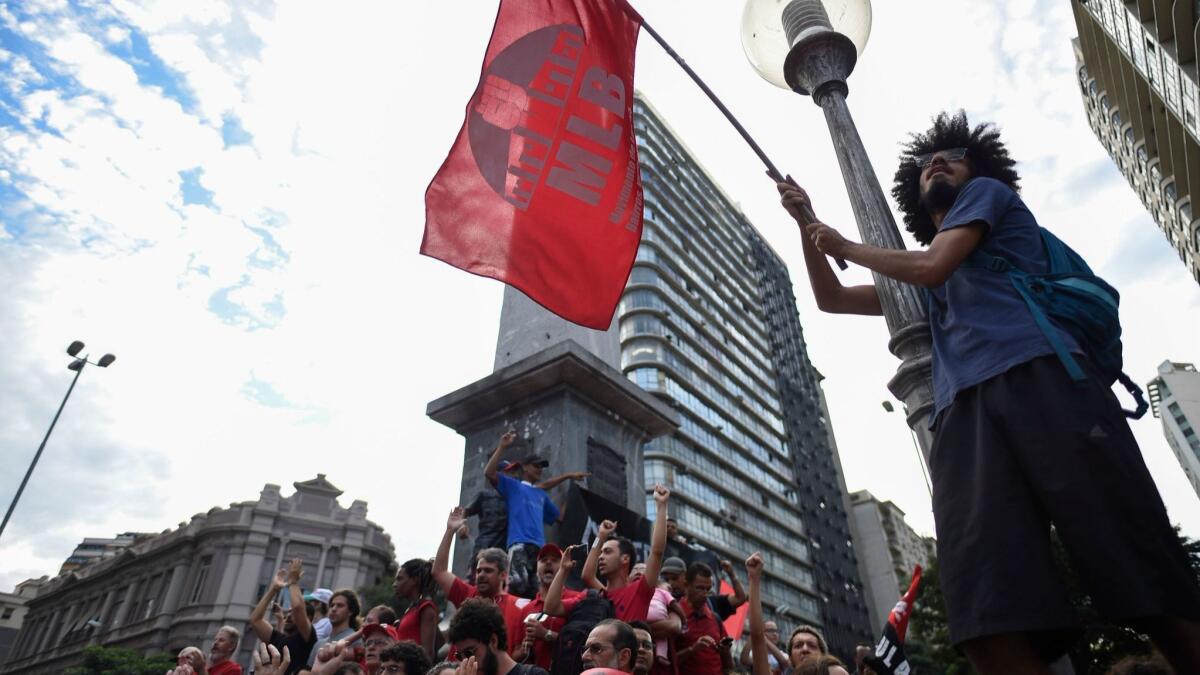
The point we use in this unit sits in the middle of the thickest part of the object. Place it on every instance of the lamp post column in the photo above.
(818, 63)
(902, 304)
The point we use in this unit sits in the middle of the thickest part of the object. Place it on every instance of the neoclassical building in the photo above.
(175, 589)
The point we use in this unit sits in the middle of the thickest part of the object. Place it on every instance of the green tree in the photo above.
(1100, 645)
(99, 660)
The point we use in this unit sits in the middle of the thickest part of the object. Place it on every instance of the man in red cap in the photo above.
(541, 629)
(376, 638)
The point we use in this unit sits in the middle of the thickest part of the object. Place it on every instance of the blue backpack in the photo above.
(1077, 301)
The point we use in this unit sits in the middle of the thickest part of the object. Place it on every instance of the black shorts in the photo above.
(1028, 448)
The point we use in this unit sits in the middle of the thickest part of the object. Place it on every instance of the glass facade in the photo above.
(708, 323)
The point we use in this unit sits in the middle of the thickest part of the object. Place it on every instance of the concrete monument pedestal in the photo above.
(567, 405)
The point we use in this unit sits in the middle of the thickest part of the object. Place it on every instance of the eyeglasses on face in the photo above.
(949, 154)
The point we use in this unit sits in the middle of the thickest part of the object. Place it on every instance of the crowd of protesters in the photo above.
(516, 613)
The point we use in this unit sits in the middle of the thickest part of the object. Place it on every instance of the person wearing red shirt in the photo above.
(615, 558)
(704, 647)
(541, 630)
(414, 585)
(491, 569)
(220, 654)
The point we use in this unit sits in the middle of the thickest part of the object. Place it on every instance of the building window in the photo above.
(8, 612)
(201, 577)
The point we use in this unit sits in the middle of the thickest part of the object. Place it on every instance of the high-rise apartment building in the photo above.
(708, 322)
(1136, 66)
(888, 549)
(92, 549)
(1175, 399)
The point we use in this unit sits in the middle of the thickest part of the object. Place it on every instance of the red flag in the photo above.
(898, 617)
(736, 622)
(541, 189)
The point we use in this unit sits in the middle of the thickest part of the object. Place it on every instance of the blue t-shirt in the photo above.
(528, 508)
(981, 325)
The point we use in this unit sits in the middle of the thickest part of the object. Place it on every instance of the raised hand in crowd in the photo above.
(738, 597)
(758, 634)
(268, 661)
(491, 471)
(469, 667)
(553, 602)
(441, 562)
(591, 565)
(658, 535)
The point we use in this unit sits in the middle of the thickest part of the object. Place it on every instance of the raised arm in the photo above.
(549, 485)
(658, 536)
(758, 626)
(441, 563)
(493, 465)
(607, 527)
(258, 618)
(553, 602)
(830, 294)
(300, 618)
(738, 597)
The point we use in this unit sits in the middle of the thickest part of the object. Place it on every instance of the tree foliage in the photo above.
(1101, 644)
(100, 660)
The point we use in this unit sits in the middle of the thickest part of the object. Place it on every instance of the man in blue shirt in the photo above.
(1018, 446)
(529, 510)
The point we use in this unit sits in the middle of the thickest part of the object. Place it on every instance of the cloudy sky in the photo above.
(229, 197)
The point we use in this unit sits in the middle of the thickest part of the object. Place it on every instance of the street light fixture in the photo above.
(811, 47)
(76, 365)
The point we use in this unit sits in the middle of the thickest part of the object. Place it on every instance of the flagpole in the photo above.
(806, 210)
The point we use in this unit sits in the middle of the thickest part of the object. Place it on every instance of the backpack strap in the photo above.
(980, 260)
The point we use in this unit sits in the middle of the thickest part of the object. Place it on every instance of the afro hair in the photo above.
(985, 151)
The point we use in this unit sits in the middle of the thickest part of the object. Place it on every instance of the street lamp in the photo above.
(811, 47)
(77, 365)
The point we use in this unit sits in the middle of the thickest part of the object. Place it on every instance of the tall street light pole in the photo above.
(76, 365)
(811, 47)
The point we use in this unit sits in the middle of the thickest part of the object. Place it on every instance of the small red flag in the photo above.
(898, 617)
(541, 189)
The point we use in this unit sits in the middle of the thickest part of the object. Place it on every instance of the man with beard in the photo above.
(611, 644)
(478, 634)
(298, 634)
(645, 653)
(491, 570)
(615, 557)
(220, 653)
(541, 630)
(1018, 444)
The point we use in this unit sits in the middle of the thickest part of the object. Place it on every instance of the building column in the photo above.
(283, 542)
(175, 590)
(102, 615)
(130, 595)
(50, 630)
(321, 567)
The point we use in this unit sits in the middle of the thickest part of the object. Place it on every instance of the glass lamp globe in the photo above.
(766, 25)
